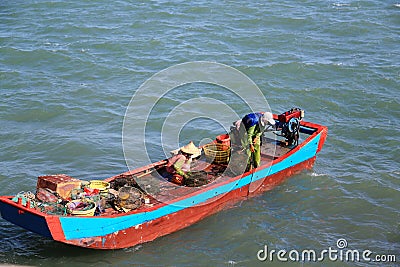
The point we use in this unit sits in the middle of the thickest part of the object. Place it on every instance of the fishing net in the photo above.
(238, 164)
(198, 179)
(128, 180)
(52, 208)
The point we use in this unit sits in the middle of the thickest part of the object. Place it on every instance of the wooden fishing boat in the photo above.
(151, 206)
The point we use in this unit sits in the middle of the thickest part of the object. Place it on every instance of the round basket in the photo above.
(81, 208)
(102, 186)
(99, 184)
(129, 197)
(217, 153)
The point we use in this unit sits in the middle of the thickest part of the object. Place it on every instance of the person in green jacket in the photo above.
(251, 129)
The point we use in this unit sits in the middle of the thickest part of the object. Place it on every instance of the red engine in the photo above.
(289, 123)
(293, 113)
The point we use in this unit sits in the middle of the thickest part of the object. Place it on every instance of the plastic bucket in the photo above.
(225, 140)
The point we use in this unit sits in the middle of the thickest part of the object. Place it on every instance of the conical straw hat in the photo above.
(191, 149)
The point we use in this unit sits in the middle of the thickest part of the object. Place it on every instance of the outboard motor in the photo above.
(289, 124)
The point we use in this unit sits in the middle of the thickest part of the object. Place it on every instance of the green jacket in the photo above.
(253, 133)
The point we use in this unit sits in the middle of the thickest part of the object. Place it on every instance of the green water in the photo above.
(69, 69)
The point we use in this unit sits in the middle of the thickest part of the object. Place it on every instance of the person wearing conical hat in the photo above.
(179, 165)
(251, 129)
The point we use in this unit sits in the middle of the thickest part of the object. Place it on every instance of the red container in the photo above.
(286, 116)
(60, 183)
(225, 140)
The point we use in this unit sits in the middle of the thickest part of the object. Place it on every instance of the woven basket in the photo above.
(88, 210)
(99, 184)
(217, 153)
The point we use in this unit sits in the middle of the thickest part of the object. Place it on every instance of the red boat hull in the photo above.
(123, 230)
(186, 217)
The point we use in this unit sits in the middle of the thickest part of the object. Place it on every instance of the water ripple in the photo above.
(69, 69)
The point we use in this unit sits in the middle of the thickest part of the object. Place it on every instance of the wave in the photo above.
(314, 174)
(340, 4)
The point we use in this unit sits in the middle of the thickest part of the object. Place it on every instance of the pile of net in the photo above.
(198, 179)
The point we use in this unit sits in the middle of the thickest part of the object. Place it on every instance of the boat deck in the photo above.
(155, 189)
(159, 190)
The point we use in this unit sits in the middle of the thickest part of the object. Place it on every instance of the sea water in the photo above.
(68, 70)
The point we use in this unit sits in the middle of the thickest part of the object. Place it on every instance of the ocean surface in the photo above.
(68, 70)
